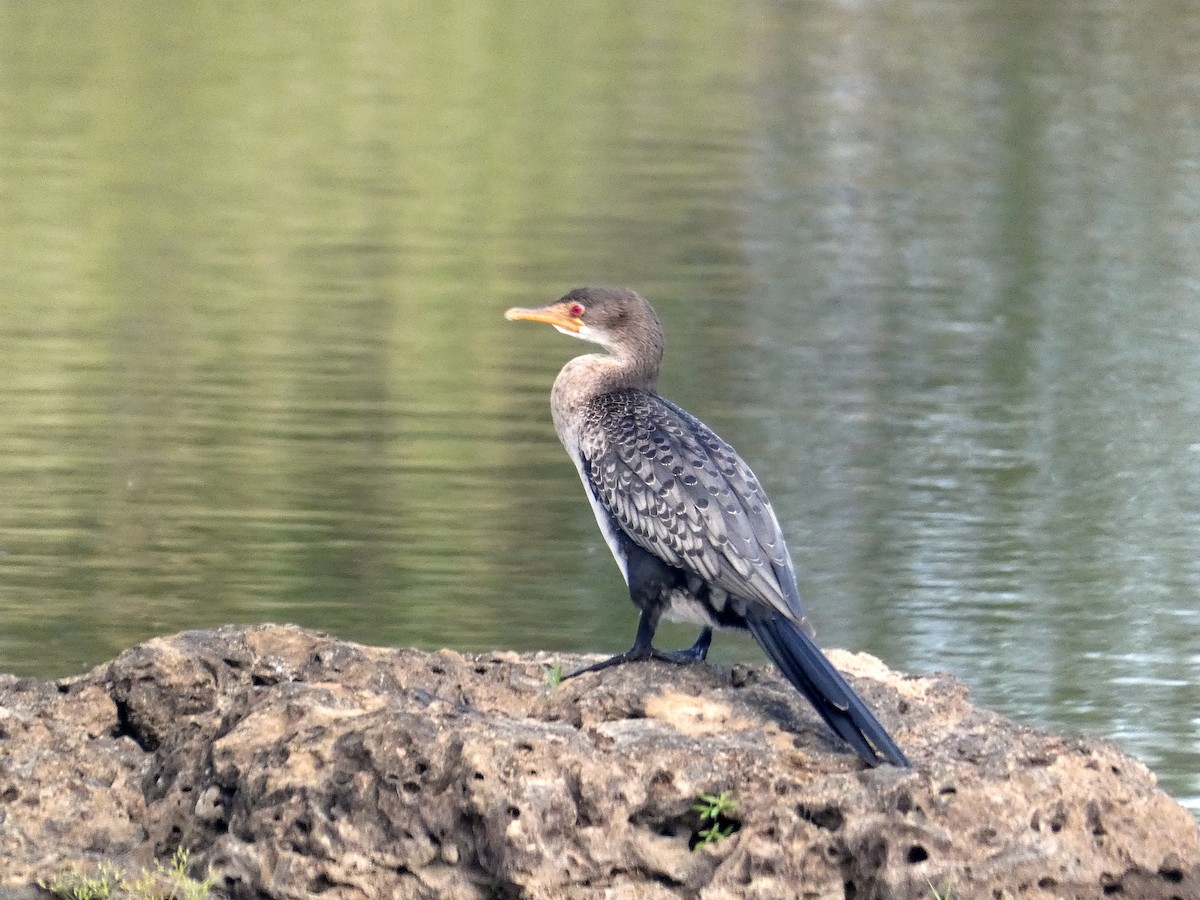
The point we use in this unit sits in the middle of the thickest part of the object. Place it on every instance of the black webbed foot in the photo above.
(640, 651)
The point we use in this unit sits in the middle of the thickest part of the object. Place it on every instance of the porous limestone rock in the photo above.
(299, 766)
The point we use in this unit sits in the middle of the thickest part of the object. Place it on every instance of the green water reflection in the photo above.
(933, 268)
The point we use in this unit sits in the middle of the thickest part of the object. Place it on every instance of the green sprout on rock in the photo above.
(554, 677)
(715, 819)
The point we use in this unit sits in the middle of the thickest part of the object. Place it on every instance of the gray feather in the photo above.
(680, 492)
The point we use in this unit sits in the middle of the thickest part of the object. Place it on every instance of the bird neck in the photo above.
(594, 374)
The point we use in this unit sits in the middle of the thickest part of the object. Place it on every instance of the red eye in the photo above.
(577, 309)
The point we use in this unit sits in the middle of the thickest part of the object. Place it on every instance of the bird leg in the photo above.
(643, 649)
(698, 652)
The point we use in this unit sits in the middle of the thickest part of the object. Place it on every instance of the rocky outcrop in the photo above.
(300, 766)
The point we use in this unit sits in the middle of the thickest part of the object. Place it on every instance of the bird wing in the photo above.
(683, 494)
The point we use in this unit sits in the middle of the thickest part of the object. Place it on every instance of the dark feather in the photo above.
(805, 666)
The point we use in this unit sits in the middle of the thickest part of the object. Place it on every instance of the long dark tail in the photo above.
(805, 666)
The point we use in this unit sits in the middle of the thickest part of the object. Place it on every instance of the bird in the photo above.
(687, 521)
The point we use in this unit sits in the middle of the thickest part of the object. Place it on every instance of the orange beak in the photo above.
(556, 314)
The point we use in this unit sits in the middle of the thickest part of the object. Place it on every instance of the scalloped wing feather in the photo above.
(682, 493)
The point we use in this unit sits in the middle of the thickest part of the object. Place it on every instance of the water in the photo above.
(933, 268)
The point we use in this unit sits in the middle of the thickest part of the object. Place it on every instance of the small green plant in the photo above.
(179, 885)
(715, 810)
(554, 677)
(713, 806)
(77, 885)
(110, 883)
(939, 895)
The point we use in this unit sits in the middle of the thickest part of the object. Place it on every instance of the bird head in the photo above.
(614, 319)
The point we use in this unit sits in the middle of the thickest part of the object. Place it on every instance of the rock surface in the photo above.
(300, 766)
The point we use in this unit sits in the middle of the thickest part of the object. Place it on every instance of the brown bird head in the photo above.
(618, 320)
